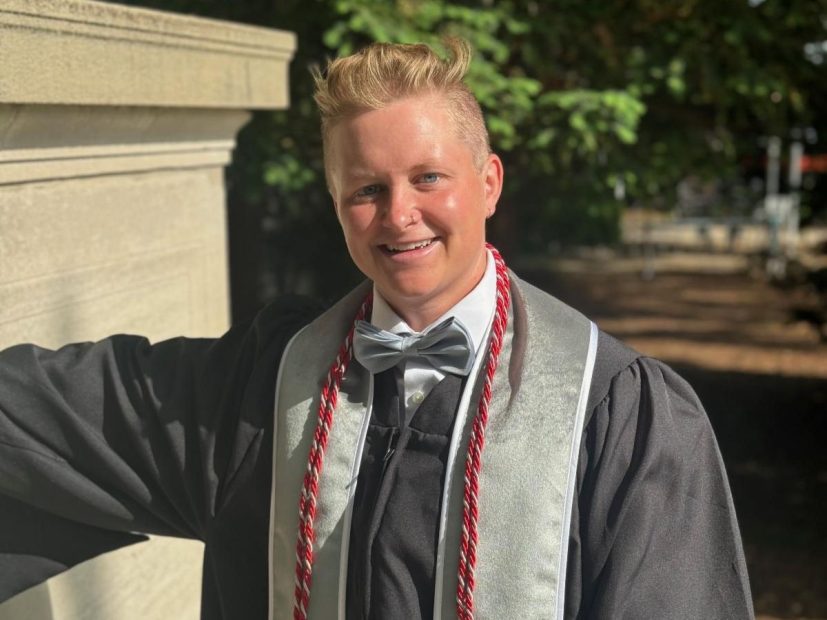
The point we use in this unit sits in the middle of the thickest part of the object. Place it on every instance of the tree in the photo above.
(582, 98)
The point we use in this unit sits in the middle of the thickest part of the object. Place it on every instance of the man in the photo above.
(487, 453)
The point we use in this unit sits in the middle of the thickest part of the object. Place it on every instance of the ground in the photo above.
(762, 377)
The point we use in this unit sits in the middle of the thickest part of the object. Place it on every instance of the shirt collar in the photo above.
(474, 310)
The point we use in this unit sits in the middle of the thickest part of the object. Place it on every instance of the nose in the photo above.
(401, 210)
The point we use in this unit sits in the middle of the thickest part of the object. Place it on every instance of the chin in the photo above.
(409, 291)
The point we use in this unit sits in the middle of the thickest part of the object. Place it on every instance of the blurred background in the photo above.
(666, 173)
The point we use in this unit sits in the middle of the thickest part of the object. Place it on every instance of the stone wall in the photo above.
(115, 127)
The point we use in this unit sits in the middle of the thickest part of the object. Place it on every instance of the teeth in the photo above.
(404, 247)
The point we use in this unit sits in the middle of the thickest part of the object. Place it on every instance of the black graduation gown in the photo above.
(102, 440)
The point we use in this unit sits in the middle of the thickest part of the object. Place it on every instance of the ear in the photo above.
(492, 177)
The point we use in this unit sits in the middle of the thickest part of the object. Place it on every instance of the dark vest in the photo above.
(395, 527)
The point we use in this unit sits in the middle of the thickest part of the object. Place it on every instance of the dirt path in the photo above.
(763, 379)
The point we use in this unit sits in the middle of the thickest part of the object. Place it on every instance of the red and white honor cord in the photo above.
(315, 460)
(473, 459)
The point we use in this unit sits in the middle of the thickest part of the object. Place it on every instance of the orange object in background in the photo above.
(814, 163)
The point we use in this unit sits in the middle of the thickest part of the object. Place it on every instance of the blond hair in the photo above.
(383, 73)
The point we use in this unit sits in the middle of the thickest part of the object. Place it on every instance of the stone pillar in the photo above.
(115, 127)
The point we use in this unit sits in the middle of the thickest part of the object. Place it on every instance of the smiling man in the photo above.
(412, 198)
(446, 441)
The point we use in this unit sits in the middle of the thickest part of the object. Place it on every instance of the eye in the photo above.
(369, 190)
(430, 177)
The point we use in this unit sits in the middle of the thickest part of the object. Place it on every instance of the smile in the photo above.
(407, 247)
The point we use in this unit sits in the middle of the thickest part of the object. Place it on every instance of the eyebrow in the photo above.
(359, 173)
(432, 163)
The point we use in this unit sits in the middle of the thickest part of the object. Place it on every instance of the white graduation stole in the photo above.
(528, 469)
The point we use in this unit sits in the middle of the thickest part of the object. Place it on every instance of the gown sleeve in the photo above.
(100, 441)
(654, 533)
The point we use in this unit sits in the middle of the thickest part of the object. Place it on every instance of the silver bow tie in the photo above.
(447, 347)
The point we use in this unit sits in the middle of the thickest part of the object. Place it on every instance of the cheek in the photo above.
(459, 211)
(355, 219)
(444, 210)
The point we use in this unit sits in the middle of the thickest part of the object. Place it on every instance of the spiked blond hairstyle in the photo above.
(383, 73)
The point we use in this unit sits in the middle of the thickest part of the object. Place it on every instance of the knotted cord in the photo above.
(315, 461)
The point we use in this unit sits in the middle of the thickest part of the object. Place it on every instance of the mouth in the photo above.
(403, 248)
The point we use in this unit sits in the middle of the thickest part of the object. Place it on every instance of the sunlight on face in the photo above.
(412, 204)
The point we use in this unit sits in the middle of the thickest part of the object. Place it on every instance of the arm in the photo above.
(124, 436)
(119, 434)
(654, 529)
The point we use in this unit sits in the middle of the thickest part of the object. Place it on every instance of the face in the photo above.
(412, 204)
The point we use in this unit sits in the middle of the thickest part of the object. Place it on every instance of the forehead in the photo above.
(425, 117)
(407, 129)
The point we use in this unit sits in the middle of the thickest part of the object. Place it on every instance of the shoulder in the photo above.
(627, 384)
(279, 320)
(647, 417)
(654, 502)
(614, 361)
(627, 388)
(622, 375)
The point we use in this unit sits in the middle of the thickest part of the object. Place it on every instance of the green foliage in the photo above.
(579, 95)
(541, 131)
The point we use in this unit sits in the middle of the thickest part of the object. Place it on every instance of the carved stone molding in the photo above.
(116, 124)
(96, 53)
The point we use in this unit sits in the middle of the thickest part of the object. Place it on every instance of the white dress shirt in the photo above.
(475, 311)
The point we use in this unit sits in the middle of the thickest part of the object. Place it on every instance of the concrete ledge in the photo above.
(96, 590)
(41, 126)
(82, 52)
(92, 164)
(48, 142)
